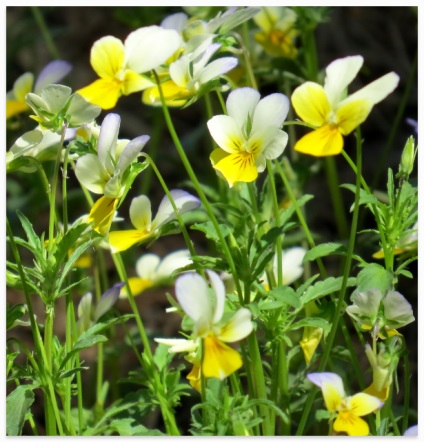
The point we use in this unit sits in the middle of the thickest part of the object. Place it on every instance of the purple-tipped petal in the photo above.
(107, 300)
(130, 152)
(52, 73)
(108, 137)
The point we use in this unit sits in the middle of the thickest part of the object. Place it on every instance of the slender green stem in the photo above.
(100, 360)
(258, 382)
(167, 414)
(52, 215)
(336, 197)
(199, 189)
(407, 391)
(246, 56)
(339, 305)
(45, 32)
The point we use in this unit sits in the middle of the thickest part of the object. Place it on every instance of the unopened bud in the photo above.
(407, 160)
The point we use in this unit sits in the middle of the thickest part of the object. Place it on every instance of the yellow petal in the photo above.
(382, 394)
(311, 103)
(219, 360)
(332, 396)
(174, 95)
(107, 57)
(361, 404)
(15, 107)
(101, 214)
(195, 379)
(309, 343)
(238, 166)
(325, 141)
(134, 82)
(84, 261)
(277, 43)
(121, 240)
(103, 92)
(137, 285)
(349, 423)
(352, 114)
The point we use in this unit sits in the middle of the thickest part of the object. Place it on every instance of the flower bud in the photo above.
(407, 160)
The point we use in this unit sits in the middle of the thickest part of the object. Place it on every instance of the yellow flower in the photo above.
(120, 65)
(102, 213)
(141, 217)
(249, 135)
(219, 360)
(348, 409)
(277, 31)
(330, 112)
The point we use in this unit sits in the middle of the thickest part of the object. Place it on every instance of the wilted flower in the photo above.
(331, 112)
(249, 135)
(141, 218)
(347, 410)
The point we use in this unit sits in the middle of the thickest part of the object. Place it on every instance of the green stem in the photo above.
(167, 414)
(198, 188)
(45, 32)
(336, 196)
(340, 302)
(258, 381)
(407, 392)
(48, 343)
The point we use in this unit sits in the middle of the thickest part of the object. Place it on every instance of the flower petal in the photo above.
(191, 291)
(103, 92)
(351, 114)
(310, 341)
(22, 86)
(52, 73)
(121, 240)
(238, 167)
(141, 213)
(107, 300)
(397, 308)
(292, 264)
(238, 327)
(108, 136)
(217, 68)
(362, 403)
(91, 173)
(331, 385)
(272, 110)
(130, 152)
(133, 82)
(311, 103)
(377, 90)
(172, 262)
(101, 214)
(147, 265)
(137, 286)
(327, 140)
(184, 202)
(240, 103)
(352, 425)
(150, 46)
(220, 294)
(338, 75)
(226, 132)
(219, 360)
(276, 145)
(107, 57)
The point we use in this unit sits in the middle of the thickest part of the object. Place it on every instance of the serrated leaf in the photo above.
(286, 295)
(326, 249)
(311, 321)
(33, 239)
(17, 405)
(209, 230)
(364, 196)
(323, 288)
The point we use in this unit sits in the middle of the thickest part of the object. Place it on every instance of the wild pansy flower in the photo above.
(52, 73)
(120, 65)
(331, 112)
(347, 410)
(291, 262)
(190, 73)
(278, 31)
(141, 218)
(249, 135)
(88, 314)
(407, 243)
(207, 313)
(152, 271)
(381, 314)
(107, 172)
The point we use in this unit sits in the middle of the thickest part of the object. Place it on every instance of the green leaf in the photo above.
(311, 321)
(18, 404)
(326, 249)
(286, 295)
(33, 239)
(374, 276)
(209, 230)
(323, 288)
(364, 197)
(13, 314)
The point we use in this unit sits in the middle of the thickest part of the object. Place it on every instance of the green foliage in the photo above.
(18, 404)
